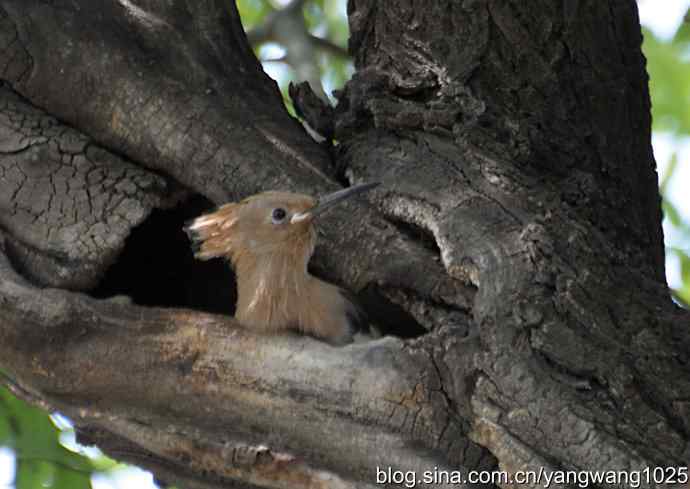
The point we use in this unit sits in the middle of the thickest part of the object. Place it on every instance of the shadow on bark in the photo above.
(157, 268)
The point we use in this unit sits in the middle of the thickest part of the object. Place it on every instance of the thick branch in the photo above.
(538, 184)
(212, 383)
(67, 203)
(514, 152)
(211, 120)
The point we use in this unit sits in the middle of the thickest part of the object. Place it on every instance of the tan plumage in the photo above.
(269, 239)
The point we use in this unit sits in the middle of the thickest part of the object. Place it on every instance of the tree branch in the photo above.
(518, 222)
(212, 382)
(329, 47)
(261, 148)
(515, 189)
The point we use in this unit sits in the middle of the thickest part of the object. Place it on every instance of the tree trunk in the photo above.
(513, 253)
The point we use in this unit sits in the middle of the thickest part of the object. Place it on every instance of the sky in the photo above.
(663, 17)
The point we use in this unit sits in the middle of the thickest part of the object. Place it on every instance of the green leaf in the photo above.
(670, 170)
(684, 266)
(668, 65)
(671, 213)
(35, 439)
(682, 296)
(253, 12)
(71, 479)
(313, 15)
(32, 474)
(682, 36)
(5, 428)
(338, 28)
(103, 463)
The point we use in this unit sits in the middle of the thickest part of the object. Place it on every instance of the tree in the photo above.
(514, 251)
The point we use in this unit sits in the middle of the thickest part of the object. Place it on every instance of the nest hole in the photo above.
(389, 318)
(157, 267)
(416, 233)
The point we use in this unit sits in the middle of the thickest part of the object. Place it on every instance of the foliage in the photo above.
(253, 12)
(668, 64)
(42, 461)
(324, 19)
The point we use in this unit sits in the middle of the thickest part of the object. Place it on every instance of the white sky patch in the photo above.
(271, 51)
(129, 478)
(665, 145)
(61, 422)
(673, 276)
(278, 71)
(6, 468)
(340, 7)
(69, 440)
(662, 16)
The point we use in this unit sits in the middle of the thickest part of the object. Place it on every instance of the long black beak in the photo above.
(329, 200)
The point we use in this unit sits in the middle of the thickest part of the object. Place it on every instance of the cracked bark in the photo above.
(518, 225)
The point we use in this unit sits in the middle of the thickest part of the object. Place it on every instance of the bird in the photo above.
(269, 239)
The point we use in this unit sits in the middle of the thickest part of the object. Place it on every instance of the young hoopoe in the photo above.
(269, 239)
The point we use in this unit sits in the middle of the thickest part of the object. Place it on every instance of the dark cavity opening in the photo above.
(389, 318)
(416, 233)
(157, 268)
(382, 316)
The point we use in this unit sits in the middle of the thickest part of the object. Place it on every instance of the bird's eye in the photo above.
(278, 215)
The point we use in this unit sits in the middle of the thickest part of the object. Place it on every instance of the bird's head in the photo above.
(271, 222)
(266, 223)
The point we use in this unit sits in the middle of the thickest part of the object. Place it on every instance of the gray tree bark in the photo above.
(514, 252)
